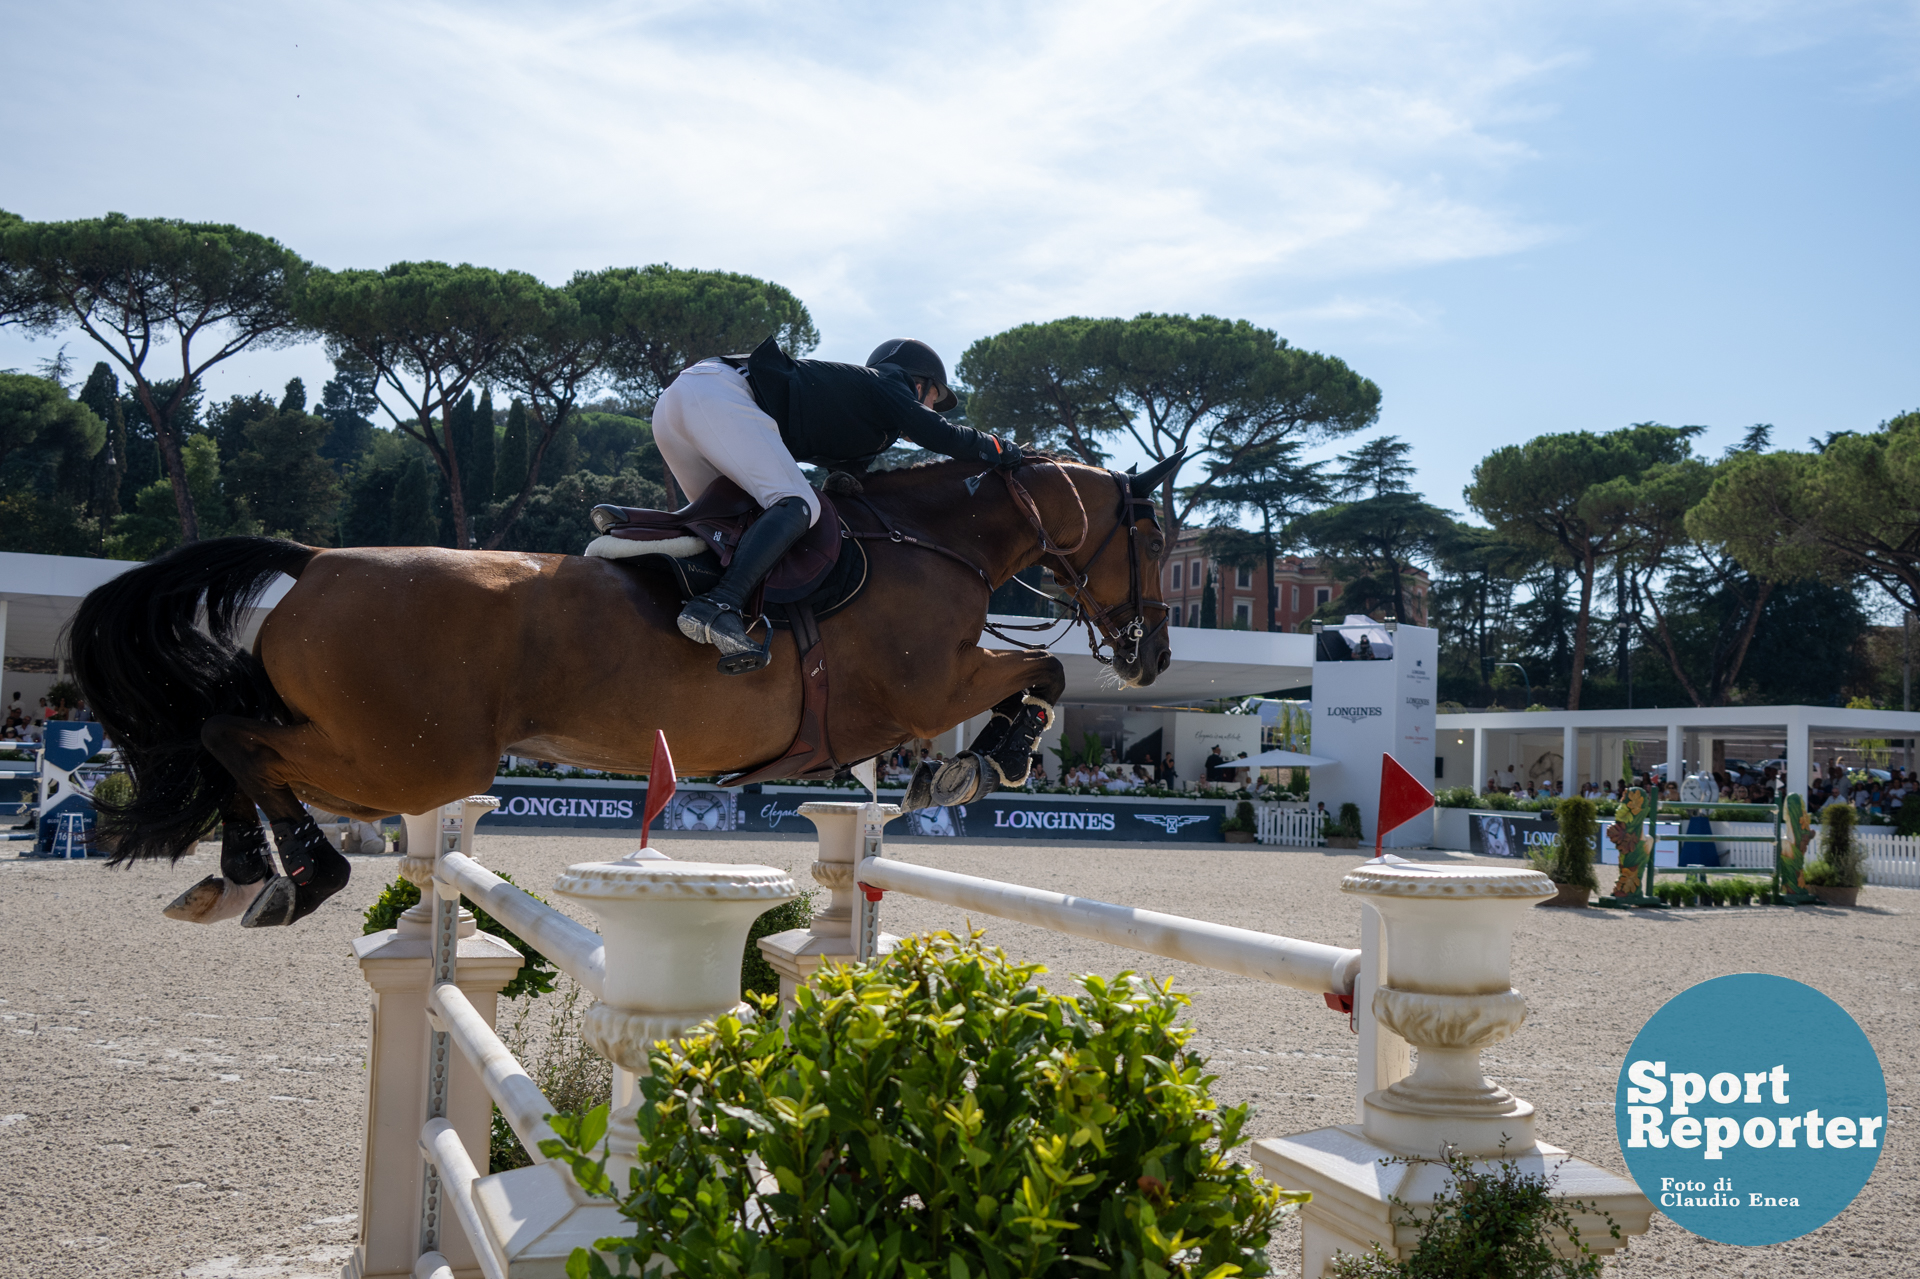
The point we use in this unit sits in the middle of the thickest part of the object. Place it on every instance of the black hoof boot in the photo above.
(1009, 737)
(314, 868)
(245, 866)
(708, 621)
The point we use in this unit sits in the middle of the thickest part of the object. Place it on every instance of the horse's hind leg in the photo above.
(314, 869)
(245, 868)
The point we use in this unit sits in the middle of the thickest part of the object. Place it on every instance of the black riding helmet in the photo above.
(917, 359)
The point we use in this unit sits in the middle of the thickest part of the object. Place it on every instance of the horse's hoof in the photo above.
(214, 899)
(920, 789)
(963, 779)
(274, 906)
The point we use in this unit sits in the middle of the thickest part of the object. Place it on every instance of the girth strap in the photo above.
(810, 754)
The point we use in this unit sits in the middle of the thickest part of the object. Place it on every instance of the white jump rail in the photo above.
(1285, 961)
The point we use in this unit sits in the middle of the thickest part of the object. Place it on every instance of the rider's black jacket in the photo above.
(841, 416)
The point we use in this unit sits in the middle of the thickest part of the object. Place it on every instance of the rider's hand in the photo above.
(1004, 454)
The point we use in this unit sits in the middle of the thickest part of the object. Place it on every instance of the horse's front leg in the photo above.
(1021, 689)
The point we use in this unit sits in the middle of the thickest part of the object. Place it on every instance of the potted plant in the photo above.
(936, 1113)
(1836, 878)
(1569, 862)
(1343, 831)
(1240, 828)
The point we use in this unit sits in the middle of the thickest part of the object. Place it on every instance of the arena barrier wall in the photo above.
(589, 804)
(661, 965)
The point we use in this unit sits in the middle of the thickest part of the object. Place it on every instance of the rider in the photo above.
(755, 418)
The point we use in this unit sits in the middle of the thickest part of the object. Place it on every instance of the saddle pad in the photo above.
(713, 524)
(698, 573)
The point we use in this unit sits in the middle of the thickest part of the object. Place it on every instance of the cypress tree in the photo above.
(476, 469)
(413, 522)
(510, 465)
(1209, 608)
(102, 395)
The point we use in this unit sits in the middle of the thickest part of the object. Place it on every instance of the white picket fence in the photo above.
(1294, 825)
(1893, 861)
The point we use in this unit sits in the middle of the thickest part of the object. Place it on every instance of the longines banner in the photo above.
(527, 803)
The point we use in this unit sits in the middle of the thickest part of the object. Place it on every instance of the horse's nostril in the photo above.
(1166, 660)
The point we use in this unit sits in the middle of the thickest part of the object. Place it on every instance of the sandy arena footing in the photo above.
(184, 1100)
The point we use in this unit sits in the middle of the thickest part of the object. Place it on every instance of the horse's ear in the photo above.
(1145, 483)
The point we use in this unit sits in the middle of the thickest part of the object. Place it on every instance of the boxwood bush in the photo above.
(935, 1114)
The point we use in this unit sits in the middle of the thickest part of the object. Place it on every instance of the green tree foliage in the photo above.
(429, 331)
(482, 442)
(1546, 493)
(101, 394)
(1381, 530)
(555, 517)
(1046, 385)
(143, 464)
(208, 290)
(366, 514)
(151, 529)
(1274, 486)
(1216, 388)
(348, 401)
(279, 472)
(410, 519)
(1849, 509)
(510, 461)
(1473, 606)
(48, 444)
(658, 319)
(937, 1113)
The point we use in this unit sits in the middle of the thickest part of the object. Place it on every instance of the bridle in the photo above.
(1089, 612)
(1105, 630)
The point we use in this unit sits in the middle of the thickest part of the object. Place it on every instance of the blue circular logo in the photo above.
(1751, 1109)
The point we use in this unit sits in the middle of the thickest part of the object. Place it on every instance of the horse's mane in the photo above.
(904, 479)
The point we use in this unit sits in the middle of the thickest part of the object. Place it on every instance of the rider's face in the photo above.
(929, 393)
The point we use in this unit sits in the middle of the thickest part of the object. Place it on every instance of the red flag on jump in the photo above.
(660, 783)
(1402, 798)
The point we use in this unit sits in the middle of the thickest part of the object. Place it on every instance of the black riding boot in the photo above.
(715, 618)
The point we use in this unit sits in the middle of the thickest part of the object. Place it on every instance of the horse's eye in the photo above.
(1155, 547)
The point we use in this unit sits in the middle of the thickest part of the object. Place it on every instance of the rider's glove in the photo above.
(1003, 455)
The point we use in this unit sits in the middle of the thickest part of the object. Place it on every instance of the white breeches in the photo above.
(707, 425)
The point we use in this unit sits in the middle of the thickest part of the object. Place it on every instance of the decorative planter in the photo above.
(1343, 841)
(1569, 895)
(1238, 836)
(1836, 896)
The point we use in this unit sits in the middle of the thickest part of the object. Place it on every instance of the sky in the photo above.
(1515, 218)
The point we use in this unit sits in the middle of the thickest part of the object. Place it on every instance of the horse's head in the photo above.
(1113, 573)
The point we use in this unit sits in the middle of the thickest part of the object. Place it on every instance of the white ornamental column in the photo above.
(398, 965)
(1446, 989)
(835, 931)
(675, 933)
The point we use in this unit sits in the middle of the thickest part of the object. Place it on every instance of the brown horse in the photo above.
(392, 680)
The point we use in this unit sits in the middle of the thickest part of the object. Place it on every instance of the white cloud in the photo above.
(947, 169)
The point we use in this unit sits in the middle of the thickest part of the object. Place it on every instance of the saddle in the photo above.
(822, 573)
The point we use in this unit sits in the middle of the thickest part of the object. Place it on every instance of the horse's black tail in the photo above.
(154, 676)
